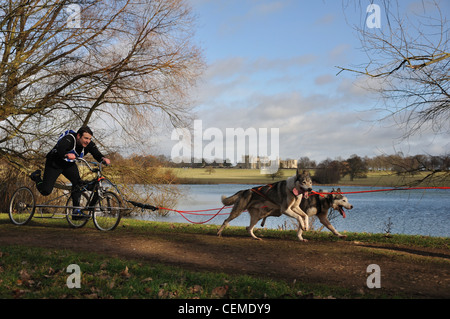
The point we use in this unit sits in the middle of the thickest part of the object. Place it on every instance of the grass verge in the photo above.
(39, 273)
(33, 272)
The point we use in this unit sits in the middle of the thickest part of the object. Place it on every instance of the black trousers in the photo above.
(52, 172)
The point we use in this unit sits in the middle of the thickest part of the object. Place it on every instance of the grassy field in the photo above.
(34, 272)
(40, 273)
(253, 176)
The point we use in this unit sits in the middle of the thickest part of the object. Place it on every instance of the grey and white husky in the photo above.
(283, 197)
(319, 205)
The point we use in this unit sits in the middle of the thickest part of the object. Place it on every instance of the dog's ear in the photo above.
(339, 190)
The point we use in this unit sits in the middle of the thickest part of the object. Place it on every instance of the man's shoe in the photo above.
(77, 214)
(36, 176)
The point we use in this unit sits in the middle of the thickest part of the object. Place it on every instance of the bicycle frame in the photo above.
(94, 205)
(97, 186)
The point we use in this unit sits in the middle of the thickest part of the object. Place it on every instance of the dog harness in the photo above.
(257, 190)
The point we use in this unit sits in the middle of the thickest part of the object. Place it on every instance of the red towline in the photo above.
(383, 190)
(201, 212)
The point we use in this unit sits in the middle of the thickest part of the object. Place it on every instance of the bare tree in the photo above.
(66, 63)
(409, 64)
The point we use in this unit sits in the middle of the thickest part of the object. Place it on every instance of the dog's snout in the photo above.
(351, 207)
(309, 189)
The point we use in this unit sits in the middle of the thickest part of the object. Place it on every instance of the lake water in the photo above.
(415, 212)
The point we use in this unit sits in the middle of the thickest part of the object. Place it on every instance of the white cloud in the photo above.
(232, 66)
(317, 126)
(336, 123)
(265, 8)
(339, 55)
(325, 20)
(325, 79)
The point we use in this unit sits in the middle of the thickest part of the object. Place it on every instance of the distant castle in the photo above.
(257, 162)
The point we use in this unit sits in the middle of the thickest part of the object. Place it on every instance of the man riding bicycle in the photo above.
(61, 160)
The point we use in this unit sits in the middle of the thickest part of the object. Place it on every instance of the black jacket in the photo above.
(65, 145)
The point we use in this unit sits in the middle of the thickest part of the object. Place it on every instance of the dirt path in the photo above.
(412, 271)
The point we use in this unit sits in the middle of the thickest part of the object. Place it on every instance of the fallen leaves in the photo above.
(166, 294)
(44, 275)
(125, 273)
(24, 279)
(219, 292)
(148, 279)
(196, 289)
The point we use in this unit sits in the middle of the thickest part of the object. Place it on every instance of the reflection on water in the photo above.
(418, 212)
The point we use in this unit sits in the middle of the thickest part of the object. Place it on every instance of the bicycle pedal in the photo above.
(79, 215)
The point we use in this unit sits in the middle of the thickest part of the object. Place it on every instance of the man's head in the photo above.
(84, 136)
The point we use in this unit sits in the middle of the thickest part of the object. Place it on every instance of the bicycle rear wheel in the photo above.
(108, 212)
(21, 206)
(73, 220)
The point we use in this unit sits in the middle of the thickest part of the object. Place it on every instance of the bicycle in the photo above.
(97, 202)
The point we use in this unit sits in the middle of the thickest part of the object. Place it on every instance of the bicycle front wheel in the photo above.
(21, 206)
(108, 212)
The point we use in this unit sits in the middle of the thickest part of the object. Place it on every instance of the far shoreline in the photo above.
(200, 176)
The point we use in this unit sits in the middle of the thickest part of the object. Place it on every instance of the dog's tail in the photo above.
(227, 201)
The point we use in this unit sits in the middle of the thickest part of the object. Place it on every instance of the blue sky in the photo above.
(272, 64)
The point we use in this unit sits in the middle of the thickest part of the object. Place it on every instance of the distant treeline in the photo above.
(327, 171)
(330, 171)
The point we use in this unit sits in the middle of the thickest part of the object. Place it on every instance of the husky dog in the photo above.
(283, 197)
(317, 204)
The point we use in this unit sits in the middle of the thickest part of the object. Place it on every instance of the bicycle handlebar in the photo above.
(80, 159)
